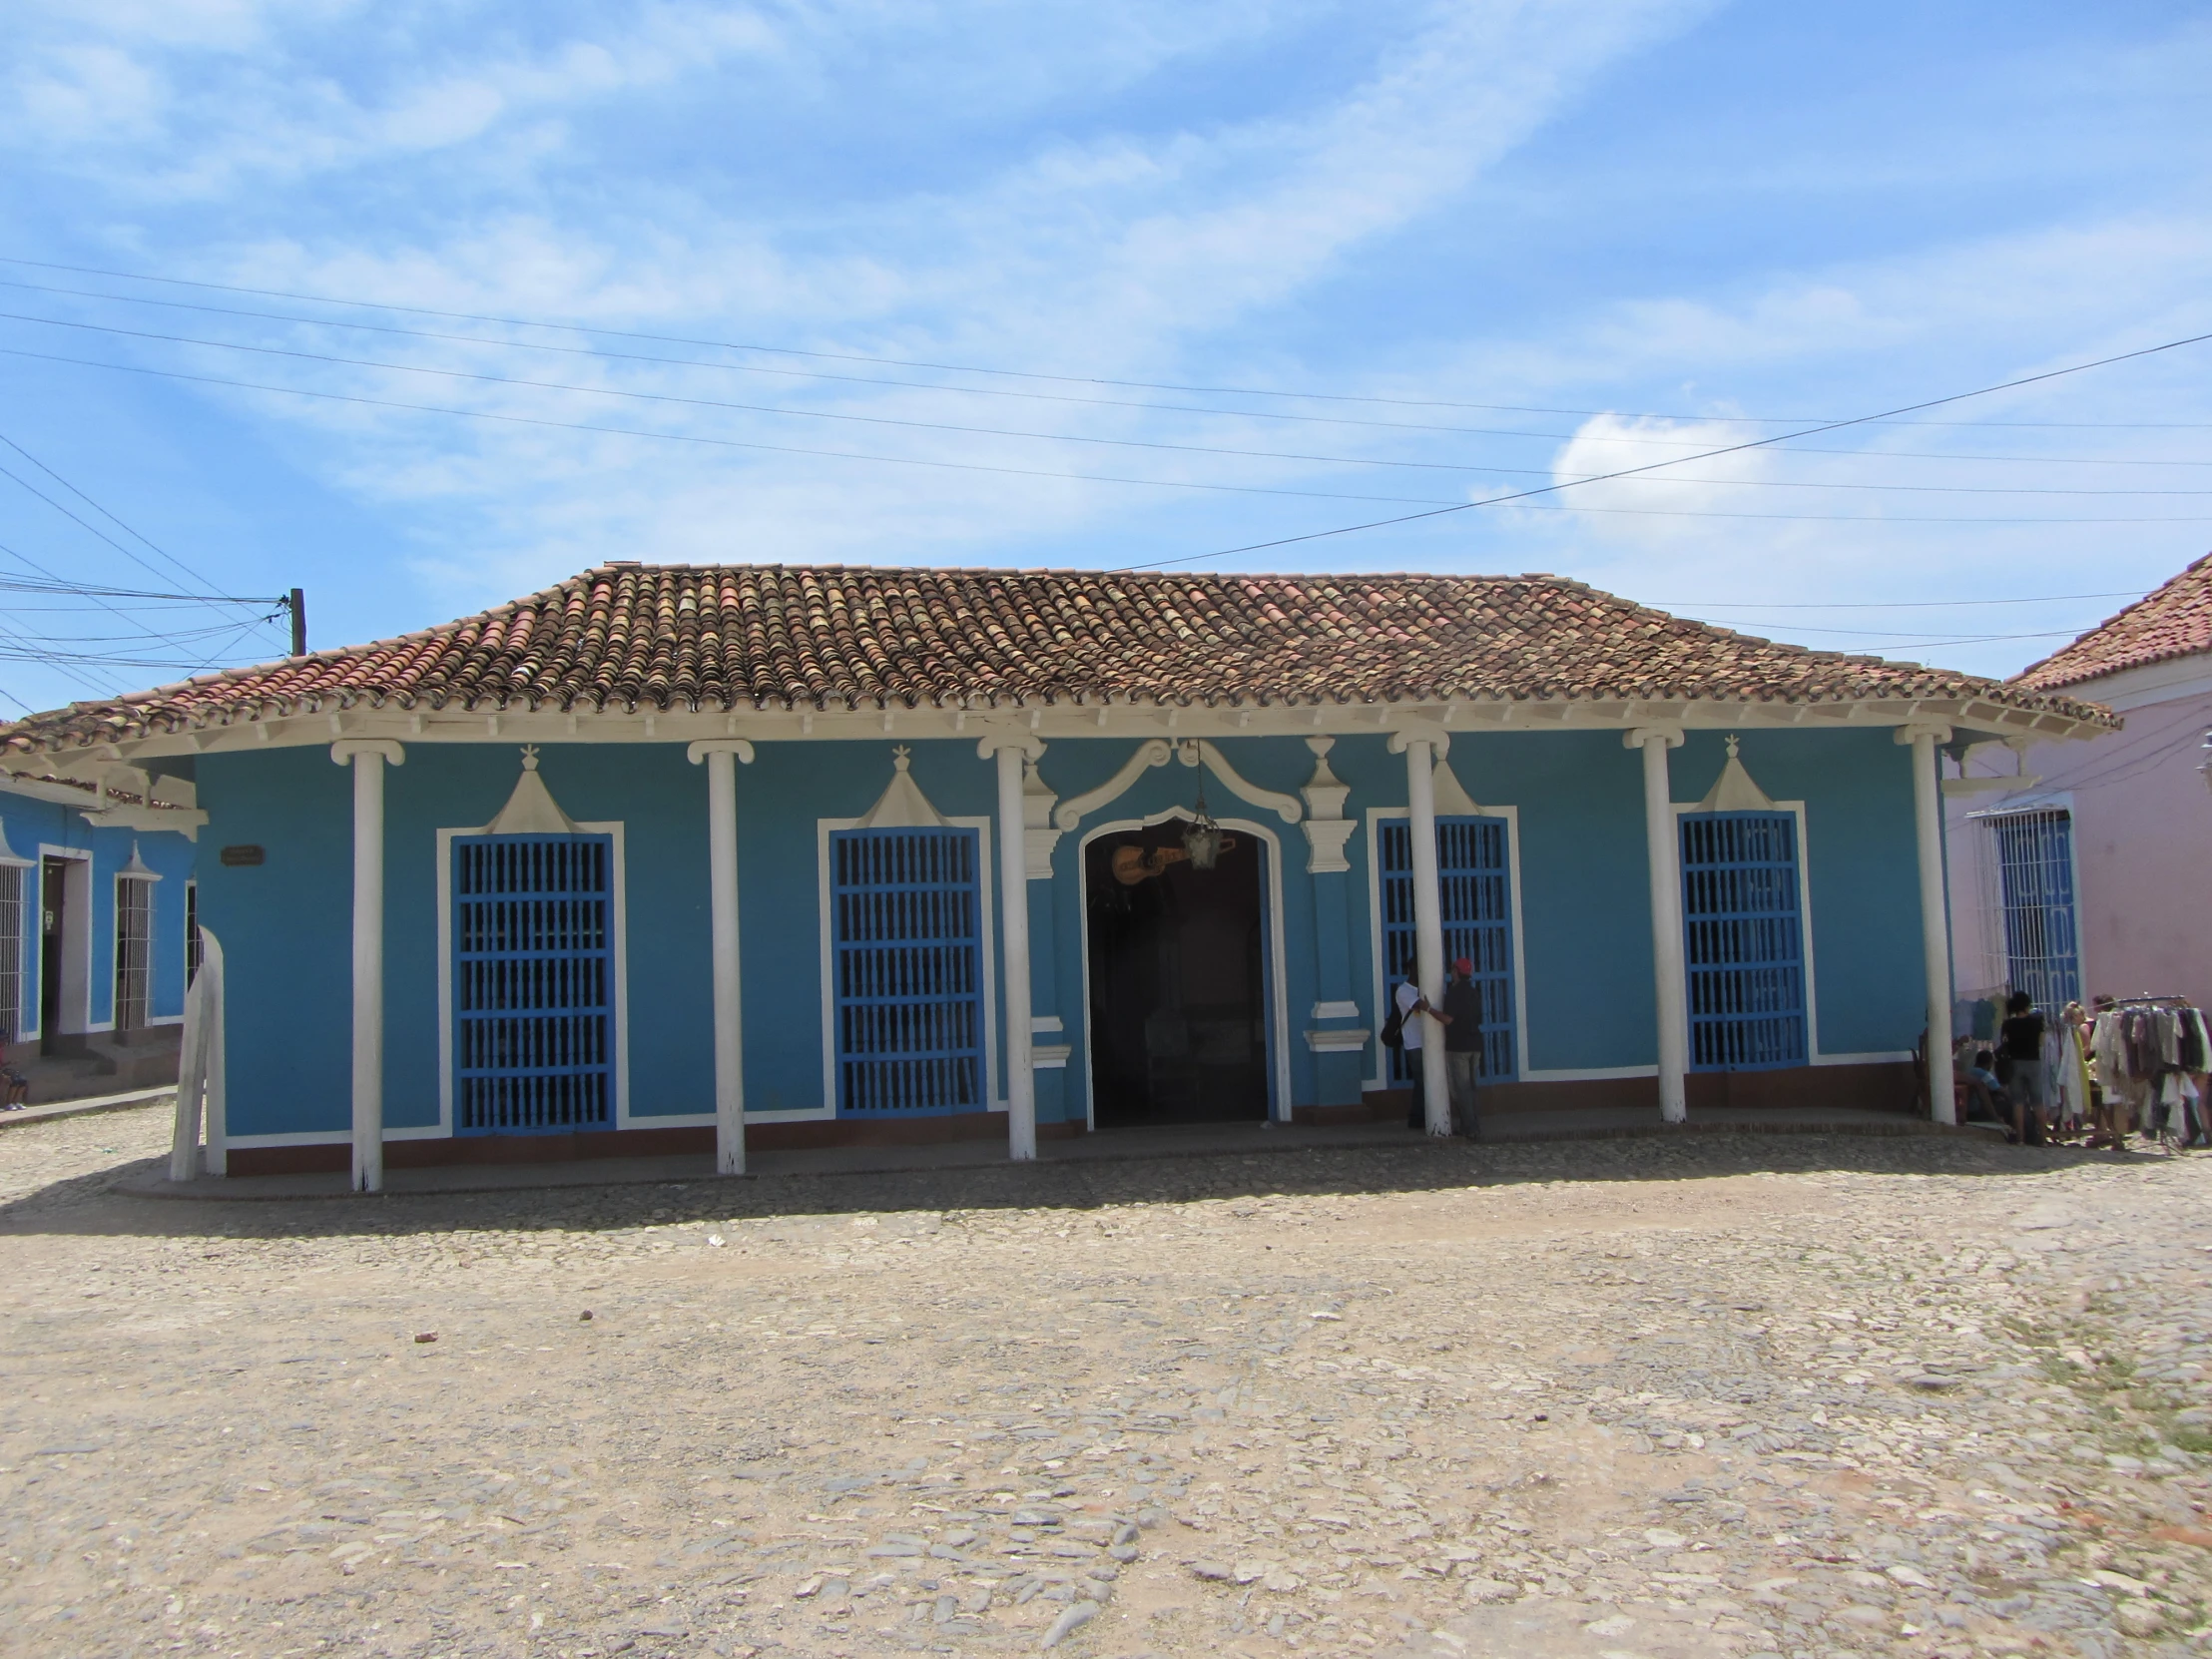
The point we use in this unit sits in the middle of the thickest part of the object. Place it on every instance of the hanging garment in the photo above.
(2194, 1047)
(2069, 1077)
(2109, 1042)
(2192, 1106)
(2169, 1035)
(2139, 1043)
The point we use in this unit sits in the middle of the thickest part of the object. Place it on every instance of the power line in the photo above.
(901, 423)
(601, 355)
(1731, 450)
(15, 583)
(137, 535)
(1028, 472)
(1902, 641)
(170, 558)
(1819, 423)
(1877, 604)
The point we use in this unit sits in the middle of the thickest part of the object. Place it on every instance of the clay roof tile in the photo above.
(774, 635)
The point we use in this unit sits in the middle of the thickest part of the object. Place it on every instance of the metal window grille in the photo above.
(1475, 894)
(195, 951)
(533, 984)
(907, 936)
(134, 914)
(1745, 940)
(11, 953)
(2033, 854)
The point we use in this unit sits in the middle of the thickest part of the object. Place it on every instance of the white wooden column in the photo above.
(1927, 822)
(192, 1083)
(1012, 750)
(1670, 977)
(721, 757)
(216, 1109)
(1428, 926)
(368, 756)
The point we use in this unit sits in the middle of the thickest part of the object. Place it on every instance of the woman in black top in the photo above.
(2020, 1064)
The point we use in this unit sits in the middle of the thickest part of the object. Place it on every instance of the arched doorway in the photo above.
(1179, 1003)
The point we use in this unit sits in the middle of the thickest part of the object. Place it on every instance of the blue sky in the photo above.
(1402, 254)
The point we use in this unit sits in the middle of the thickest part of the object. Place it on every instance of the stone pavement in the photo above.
(166, 1095)
(1692, 1396)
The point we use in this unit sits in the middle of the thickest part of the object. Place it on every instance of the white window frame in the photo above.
(192, 929)
(443, 1128)
(1381, 991)
(1814, 1055)
(77, 915)
(987, 885)
(118, 967)
(1989, 882)
(15, 964)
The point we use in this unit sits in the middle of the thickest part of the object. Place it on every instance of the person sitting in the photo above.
(15, 1088)
(1982, 1088)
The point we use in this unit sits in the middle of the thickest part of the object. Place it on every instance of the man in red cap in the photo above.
(1463, 1023)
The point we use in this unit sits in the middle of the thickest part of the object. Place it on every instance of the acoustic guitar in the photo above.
(1133, 866)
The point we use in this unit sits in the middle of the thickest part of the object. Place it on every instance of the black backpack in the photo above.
(1393, 1028)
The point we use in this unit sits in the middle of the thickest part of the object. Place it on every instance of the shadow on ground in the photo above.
(87, 1206)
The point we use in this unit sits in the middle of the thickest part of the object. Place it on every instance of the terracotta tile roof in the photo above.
(680, 636)
(2173, 621)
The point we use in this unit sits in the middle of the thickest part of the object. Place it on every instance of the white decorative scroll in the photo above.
(1153, 752)
(1452, 799)
(1284, 805)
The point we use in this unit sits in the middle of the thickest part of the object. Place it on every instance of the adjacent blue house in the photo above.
(96, 913)
(683, 857)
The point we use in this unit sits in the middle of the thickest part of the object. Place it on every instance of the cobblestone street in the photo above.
(1726, 1394)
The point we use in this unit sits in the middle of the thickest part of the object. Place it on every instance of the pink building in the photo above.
(2084, 869)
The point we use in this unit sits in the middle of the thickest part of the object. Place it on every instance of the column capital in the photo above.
(1913, 730)
(1416, 730)
(348, 748)
(1636, 737)
(1027, 740)
(698, 751)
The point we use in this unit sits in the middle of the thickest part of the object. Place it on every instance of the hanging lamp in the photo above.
(1202, 841)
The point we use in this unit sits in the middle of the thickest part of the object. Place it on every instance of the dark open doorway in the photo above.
(53, 944)
(1178, 1031)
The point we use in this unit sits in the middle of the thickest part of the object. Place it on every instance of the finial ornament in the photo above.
(899, 754)
(1730, 745)
(530, 756)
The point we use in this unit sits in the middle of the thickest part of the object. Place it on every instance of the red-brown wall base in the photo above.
(1880, 1086)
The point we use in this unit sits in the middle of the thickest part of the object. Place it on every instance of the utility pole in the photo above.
(297, 605)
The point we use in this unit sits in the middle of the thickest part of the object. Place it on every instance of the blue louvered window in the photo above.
(907, 932)
(1477, 902)
(1745, 940)
(533, 984)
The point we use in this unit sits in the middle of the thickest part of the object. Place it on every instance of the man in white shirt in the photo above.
(1413, 1009)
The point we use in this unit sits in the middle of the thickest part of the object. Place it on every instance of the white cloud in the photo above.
(1061, 230)
(1119, 255)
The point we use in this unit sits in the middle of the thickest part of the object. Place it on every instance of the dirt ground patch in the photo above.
(1721, 1396)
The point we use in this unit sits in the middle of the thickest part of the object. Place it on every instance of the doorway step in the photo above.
(105, 1062)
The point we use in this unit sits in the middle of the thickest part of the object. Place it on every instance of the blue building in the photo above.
(96, 907)
(688, 858)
